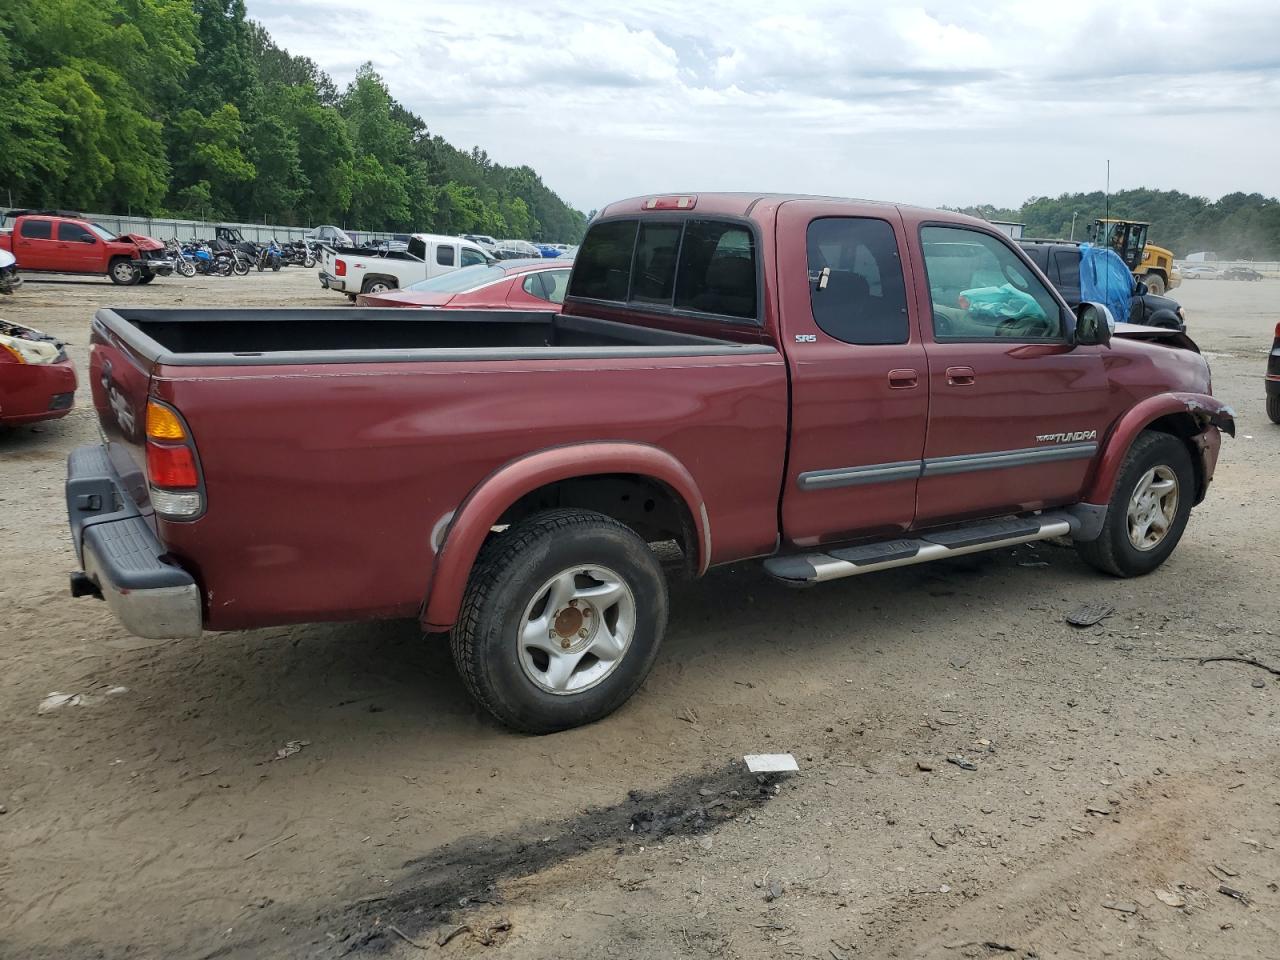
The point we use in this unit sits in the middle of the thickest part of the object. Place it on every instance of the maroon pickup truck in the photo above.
(834, 387)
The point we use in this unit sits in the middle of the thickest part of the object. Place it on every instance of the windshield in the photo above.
(102, 232)
(460, 281)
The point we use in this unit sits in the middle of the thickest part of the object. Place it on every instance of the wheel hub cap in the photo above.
(1152, 508)
(576, 629)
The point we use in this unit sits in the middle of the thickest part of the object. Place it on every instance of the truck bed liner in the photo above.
(200, 337)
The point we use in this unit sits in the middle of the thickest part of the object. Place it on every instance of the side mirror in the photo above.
(1094, 324)
(1140, 287)
(88, 239)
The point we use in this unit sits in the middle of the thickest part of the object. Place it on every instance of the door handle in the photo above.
(903, 379)
(960, 376)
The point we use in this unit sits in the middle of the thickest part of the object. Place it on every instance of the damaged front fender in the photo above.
(1198, 419)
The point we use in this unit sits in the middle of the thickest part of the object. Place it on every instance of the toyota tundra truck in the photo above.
(830, 387)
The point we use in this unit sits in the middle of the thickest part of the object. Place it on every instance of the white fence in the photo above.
(162, 228)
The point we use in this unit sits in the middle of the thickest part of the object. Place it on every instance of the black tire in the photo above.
(122, 272)
(1273, 407)
(275, 266)
(510, 571)
(1113, 552)
(308, 261)
(146, 278)
(377, 284)
(187, 268)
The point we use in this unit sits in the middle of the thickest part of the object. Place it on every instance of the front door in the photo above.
(78, 248)
(1016, 411)
(858, 376)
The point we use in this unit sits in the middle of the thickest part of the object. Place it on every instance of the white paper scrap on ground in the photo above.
(771, 763)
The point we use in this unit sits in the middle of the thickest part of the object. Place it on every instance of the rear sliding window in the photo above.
(705, 266)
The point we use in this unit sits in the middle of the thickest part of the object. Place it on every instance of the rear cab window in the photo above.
(856, 286)
(704, 266)
(37, 229)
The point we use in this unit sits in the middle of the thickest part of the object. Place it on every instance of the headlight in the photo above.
(29, 351)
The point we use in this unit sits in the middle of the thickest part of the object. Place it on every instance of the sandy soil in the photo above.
(1119, 786)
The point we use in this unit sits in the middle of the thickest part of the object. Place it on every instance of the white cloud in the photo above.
(954, 102)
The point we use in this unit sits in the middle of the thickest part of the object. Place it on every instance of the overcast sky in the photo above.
(944, 103)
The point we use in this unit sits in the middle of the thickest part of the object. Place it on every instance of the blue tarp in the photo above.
(1104, 278)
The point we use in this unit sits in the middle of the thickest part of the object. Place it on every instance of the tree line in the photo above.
(1238, 226)
(187, 108)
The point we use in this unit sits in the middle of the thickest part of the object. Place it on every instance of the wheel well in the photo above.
(648, 506)
(374, 277)
(1184, 427)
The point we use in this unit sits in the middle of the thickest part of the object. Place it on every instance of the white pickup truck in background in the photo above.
(356, 270)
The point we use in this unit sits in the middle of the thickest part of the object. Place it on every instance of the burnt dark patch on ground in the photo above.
(441, 886)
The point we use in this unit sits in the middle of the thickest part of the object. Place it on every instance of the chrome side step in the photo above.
(954, 542)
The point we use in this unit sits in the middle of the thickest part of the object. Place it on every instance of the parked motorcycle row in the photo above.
(223, 257)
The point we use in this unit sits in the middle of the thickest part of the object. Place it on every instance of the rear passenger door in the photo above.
(859, 390)
(34, 246)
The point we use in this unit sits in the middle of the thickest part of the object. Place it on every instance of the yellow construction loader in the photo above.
(1151, 264)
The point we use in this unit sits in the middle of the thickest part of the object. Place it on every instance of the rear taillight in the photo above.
(1278, 331)
(339, 268)
(173, 472)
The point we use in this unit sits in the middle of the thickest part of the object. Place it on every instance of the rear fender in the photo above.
(1197, 417)
(465, 532)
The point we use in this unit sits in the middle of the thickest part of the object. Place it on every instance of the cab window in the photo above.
(444, 255)
(37, 229)
(856, 288)
(981, 290)
(73, 233)
(473, 258)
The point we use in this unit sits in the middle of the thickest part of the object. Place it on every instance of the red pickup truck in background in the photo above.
(59, 242)
(834, 387)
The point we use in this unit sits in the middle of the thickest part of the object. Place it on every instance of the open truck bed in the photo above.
(196, 337)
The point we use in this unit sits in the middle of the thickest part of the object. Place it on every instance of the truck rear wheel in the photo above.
(1149, 508)
(1155, 283)
(562, 620)
(1273, 408)
(122, 272)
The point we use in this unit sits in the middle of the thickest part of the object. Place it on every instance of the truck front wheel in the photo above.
(1149, 508)
(561, 622)
(122, 273)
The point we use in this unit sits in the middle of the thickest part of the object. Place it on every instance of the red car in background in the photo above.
(37, 378)
(504, 285)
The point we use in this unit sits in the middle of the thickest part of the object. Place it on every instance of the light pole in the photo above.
(1074, 214)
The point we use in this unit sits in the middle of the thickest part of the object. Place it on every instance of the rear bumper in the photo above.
(329, 281)
(122, 561)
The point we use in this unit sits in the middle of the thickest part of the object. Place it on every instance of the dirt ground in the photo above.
(1121, 787)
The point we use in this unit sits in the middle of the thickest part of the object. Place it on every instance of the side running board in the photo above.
(869, 557)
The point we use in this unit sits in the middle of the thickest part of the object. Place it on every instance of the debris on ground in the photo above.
(1120, 906)
(1170, 899)
(773, 891)
(962, 763)
(1087, 614)
(1235, 894)
(771, 763)
(290, 748)
(924, 766)
(56, 701)
(444, 936)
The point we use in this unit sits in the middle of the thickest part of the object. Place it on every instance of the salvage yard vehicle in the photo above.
(10, 279)
(1240, 273)
(356, 270)
(60, 242)
(1059, 260)
(831, 387)
(1151, 264)
(505, 285)
(37, 378)
(1198, 271)
(1273, 379)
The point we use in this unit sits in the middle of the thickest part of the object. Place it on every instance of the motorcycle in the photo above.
(298, 253)
(9, 279)
(271, 256)
(182, 261)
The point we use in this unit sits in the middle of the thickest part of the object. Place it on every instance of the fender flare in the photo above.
(1205, 410)
(476, 516)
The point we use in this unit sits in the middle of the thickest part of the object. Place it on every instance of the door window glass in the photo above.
(856, 287)
(472, 258)
(980, 290)
(37, 229)
(73, 233)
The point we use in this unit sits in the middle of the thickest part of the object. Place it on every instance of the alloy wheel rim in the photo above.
(1152, 508)
(576, 630)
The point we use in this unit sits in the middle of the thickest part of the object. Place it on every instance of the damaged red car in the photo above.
(55, 241)
(37, 378)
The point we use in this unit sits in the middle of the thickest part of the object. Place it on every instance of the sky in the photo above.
(949, 103)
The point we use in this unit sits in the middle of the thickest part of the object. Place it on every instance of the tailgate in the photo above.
(120, 380)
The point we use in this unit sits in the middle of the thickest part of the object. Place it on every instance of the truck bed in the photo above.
(202, 337)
